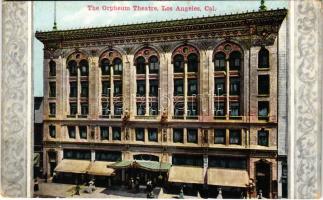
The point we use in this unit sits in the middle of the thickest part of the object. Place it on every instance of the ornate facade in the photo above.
(197, 92)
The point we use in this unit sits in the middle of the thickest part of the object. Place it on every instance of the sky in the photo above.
(76, 14)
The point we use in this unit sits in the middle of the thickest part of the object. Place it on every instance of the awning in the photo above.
(143, 164)
(73, 166)
(227, 177)
(100, 168)
(186, 174)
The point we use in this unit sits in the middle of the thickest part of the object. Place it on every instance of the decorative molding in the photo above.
(16, 100)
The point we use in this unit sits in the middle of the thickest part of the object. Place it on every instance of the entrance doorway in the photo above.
(263, 182)
(52, 162)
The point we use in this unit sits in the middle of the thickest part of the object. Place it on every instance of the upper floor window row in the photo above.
(153, 65)
(83, 65)
(234, 61)
(106, 66)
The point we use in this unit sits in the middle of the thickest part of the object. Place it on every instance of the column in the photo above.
(111, 92)
(147, 90)
(227, 89)
(185, 90)
(92, 155)
(78, 82)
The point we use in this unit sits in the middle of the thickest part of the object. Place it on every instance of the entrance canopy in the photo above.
(73, 166)
(227, 177)
(99, 168)
(142, 164)
(186, 174)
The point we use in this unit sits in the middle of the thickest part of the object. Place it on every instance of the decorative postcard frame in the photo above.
(305, 90)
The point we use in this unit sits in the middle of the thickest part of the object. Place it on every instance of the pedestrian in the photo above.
(137, 183)
(36, 185)
(45, 176)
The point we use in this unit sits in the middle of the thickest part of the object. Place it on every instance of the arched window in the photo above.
(52, 68)
(219, 62)
(140, 65)
(192, 63)
(178, 63)
(263, 58)
(235, 60)
(105, 68)
(84, 68)
(117, 65)
(153, 65)
(72, 68)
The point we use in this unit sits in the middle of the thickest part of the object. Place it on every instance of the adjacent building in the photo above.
(190, 101)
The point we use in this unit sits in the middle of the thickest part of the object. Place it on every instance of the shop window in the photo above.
(153, 134)
(235, 60)
(110, 156)
(141, 87)
(71, 131)
(140, 134)
(192, 87)
(263, 58)
(105, 68)
(104, 131)
(116, 133)
(140, 65)
(263, 85)
(219, 86)
(235, 86)
(189, 160)
(153, 88)
(73, 108)
(52, 68)
(153, 65)
(83, 132)
(73, 89)
(219, 136)
(52, 89)
(77, 154)
(192, 63)
(235, 137)
(192, 135)
(178, 135)
(178, 87)
(263, 137)
(52, 131)
(178, 64)
(117, 66)
(84, 67)
(219, 62)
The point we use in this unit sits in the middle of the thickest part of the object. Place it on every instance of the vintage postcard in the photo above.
(161, 99)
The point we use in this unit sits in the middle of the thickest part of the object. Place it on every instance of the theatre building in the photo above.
(190, 101)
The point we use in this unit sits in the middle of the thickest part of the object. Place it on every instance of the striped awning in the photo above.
(227, 177)
(73, 166)
(100, 168)
(186, 174)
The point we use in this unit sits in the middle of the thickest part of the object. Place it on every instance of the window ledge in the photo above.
(263, 69)
(51, 115)
(263, 95)
(82, 116)
(71, 116)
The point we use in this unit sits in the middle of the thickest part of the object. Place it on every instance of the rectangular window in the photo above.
(77, 154)
(52, 89)
(104, 132)
(192, 135)
(141, 108)
(219, 86)
(83, 132)
(52, 108)
(153, 67)
(263, 85)
(235, 86)
(235, 137)
(228, 162)
(111, 156)
(263, 109)
(84, 108)
(117, 69)
(105, 88)
(52, 131)
(140, 68)
(117, 88)
(219, 136)
(105, 108)
(116, 133)
(153, 134)
(190, 160)
(73, 108)
(192, 87)
(219, 108)
(73, 89)
(178, 87)
(179, 109)
(71, 131)
(191, 109)
(153, 108)
(234, 109)
(141, 88)
(84, 89)
(178, 135)
(263, 137)
(140, 134)
(118, 109)
(153, 88)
